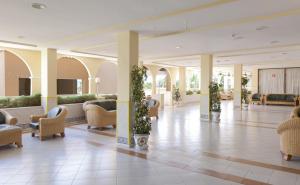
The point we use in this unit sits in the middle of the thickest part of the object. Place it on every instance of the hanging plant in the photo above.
(142, 122)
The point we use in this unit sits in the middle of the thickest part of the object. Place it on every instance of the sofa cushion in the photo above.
(151, 103)
(256, 96)
(106, 104)
(54, 112)
(34, 126)
(2, 118)
(110, 97)
(289, 97)
(281, 97)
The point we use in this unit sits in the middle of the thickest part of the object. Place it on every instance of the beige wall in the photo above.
(70, 68)
(2, 74)
(15, 68)
(108, 75)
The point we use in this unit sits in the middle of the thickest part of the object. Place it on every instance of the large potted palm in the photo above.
(142, 122)
(245, 92)
(215, 101)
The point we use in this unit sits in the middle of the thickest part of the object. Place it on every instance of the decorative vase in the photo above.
(215, 116)
(141, 141)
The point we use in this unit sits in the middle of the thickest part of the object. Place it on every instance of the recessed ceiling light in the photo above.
(177, 47)
(38, 6)
(260, 28)
(274, 42)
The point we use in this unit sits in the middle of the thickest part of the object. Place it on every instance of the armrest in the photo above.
(36, 118)
(10, 120)
(289, 124)
(48, 121)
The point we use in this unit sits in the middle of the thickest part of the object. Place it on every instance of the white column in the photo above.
(254, 80)
(237, 96)
(128, 54)
(49, 78)
(206, 78)
(154, 73)
(182, 81)
(35, 86)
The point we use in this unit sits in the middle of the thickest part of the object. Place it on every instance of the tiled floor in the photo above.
(242, 149)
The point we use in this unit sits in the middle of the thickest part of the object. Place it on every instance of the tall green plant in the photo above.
(215, 98)
(245, 91)
(142, 122)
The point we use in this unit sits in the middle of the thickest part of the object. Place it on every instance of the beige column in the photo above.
(182, 81)
(237, 100)
(48, 78)
(92, 85)
(128, 54)
(2, 73)
(35, 85)
(154, 73)
(254, 80)
(206, 77)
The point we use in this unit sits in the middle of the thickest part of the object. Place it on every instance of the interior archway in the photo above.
(15, 77)
(72, 76)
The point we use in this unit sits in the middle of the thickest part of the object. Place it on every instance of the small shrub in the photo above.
(198, 92)
(75, 99)
(189, 92)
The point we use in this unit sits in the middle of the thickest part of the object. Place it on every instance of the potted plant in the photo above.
(245, 92)
(215, 101)
(176, 95)
(142, 122)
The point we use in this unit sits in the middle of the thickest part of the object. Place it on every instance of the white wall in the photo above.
(2, 74)
(108, 76)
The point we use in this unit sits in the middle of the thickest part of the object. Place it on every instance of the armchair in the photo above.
(49, 124)
(289, 132)
(98, 116)
(153, 106)
(295, 113)
(7, 118)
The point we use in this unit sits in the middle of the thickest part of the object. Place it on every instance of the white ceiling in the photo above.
(197, 26)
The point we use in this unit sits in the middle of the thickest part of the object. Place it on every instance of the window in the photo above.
(69, 86)
(24, 86)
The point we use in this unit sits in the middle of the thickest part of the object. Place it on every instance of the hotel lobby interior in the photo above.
(136, 92)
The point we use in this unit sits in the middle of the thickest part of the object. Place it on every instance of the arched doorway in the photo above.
(72, 76)
(15, 75)
(163, 81)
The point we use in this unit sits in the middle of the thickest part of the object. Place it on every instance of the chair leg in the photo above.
(54, 135)
(32, 134)
(88, 127)
(19, 145)
(62, 134)
(156, 117)
(287, 157)
(41, 138)
(114, 126)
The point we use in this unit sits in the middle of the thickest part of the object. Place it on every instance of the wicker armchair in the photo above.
(49, 124)
(153, 110)
(289, 132)
(10, 120)
(97, 116)
(295, 113)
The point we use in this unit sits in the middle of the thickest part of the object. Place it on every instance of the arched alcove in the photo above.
(72, 75)
(15, 75)
(163, 80)
(107, 73)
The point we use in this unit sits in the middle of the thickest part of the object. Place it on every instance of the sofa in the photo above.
(153, 106)
(281, 99)
(289, 132)
(9, 133)
(101, 113)
(257, 98)
(49, 124)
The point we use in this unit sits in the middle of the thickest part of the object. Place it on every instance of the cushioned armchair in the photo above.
(153, 106)
(49, 124)
(98, 116)
(289, 132)
(6, 118)
(295, 113)
(257, 98)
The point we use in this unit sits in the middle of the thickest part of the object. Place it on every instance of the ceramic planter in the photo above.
(141, 141)
(215, 116)
(245, 106)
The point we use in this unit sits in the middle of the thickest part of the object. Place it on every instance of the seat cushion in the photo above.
(107, 104)
(2, 118)
(34, 125)
(256, 96)
(289, 97)
(54, 112)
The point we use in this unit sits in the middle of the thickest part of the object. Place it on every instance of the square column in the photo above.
(254, 81)
(182, 81)
(35, 85)
(237, 94)
(2, 73)
(49, 78)
(206, 78)
(128, 54)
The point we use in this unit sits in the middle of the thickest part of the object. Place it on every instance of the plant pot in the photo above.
(215, 116)
(141, 141)
(245, 106)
